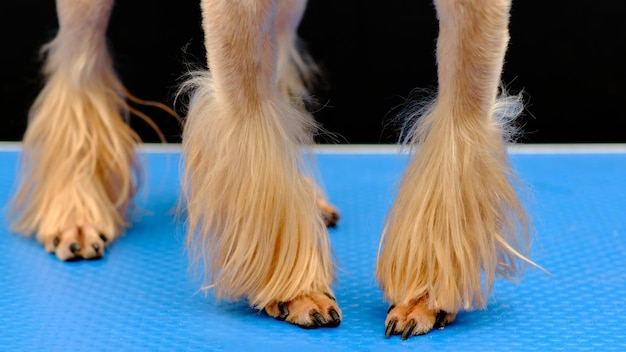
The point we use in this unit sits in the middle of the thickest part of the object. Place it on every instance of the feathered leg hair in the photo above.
(457, 214)
(254, 226)
(79, 171)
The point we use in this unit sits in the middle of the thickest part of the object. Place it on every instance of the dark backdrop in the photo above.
(567, 57)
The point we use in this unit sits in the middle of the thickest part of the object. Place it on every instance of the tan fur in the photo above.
(457, 214)
(299, 311)
(296, 70)
(414, 318)
(253, 220)
(79, 172)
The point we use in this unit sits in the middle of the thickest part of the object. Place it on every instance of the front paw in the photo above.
(308, 311)
(415, 319)
(76, 242)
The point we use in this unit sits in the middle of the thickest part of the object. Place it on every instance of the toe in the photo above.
(329, 212)
(421, 316)
(408, 330)
(68, 247)
(317, 319)
(391, 327)
(443, 319)
(331, 218)
(308, 311)
(283, 309)
(94, 243)
(75, 243)
(335, 318)
(414, 319)
(328, 308)
(50, 242)
(75, 248)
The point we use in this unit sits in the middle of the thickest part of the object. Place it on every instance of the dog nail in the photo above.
(409, 330)
(391, 307)
(55, 242)
(284, 311)
(335, 316)
(391, 328)
(96, 247)
(318, 319)
(331, 220)
(75, 248)
(104, 238)
(439, 321)
(330, 296)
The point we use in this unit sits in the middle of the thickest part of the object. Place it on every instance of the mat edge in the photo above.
(355, 149)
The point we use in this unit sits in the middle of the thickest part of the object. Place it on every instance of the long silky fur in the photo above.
(457, 216)
(253, 225)
(78, 161)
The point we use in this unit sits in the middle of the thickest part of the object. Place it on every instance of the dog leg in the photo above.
(296, 73)
(253, 221)
(456, 213)
(296, 69)
(79, 172)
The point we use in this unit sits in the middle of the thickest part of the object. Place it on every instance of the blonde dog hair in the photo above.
(457, 214)
(253, 221)
(255, 228)
(79, 166)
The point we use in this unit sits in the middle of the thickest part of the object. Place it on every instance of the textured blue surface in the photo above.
(141, 297)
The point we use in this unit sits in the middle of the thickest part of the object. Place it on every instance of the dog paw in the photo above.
(330, 214)
(308, 311)
(78, 242)
(415, 319)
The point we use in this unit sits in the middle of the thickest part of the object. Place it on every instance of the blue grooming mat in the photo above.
(142, 297)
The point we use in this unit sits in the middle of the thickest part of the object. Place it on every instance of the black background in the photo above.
(566, 56)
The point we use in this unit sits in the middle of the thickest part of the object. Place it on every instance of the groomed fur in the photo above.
(253, 219)
(253, 222)
(78, 153)
(457, 214)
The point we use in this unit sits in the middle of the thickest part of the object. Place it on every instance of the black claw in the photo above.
(55, 242)
(330, 296)
(391, 328)
(331, 220)
(409, 330)
(318, 319)
(440, 320)
(75, 248)
(96, 247)
(284, 311)
(391, 307)
(335, 316)
(103, 238)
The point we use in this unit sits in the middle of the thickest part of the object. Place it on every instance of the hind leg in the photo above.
(253, 222)
(296, 72)
(456, 215)
(78, 172)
